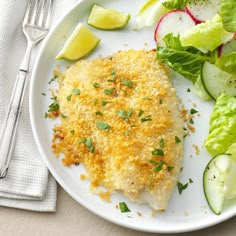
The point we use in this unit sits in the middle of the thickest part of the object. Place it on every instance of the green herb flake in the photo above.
(123, 207)
(193, 111)
(43, 94)
(147, 118)
(159, 166)
(188, 90)
(89, 144)
(128, 83)
(63, 115)
(46, 115)
(68, 98)
(140, 112)
(170, 168)
(181, 187)
(53, 79)
(130, 112)
(158, 152)
(54, 106)
(108, 91)
(147, 99)
(103, 126)
(191, 121)
(160, 101)
(83, 140)
(72, 131)
(113, 73)
(127, 133)
(161, 142)
(96, 85)
(177, 140)
(76, 91)
(98, 113)
(104, 103)
(190, 181)
(95, 101)
(123, 114)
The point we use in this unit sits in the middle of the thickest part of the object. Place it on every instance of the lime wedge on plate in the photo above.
(107, 19)
(81, 42)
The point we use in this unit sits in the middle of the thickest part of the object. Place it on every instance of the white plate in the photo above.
(186, 212)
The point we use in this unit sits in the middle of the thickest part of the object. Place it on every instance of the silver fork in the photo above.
(35, 27)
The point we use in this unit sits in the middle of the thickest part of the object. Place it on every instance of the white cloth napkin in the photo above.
(28, 184)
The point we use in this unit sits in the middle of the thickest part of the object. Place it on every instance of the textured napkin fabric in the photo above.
(28, 184)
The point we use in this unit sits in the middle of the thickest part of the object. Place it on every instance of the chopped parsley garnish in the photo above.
(96, 85)
(170, 168)
(191, 121)
(88, 143)
(104, 103)
(127, 133)
(63, 115)
(146, 118)
(54, 106)
(128, 83)
(190, 181)
(177, 140)
(158, 165)
(140, 112)
(43, 94)
(123, 114)
(98, 113)
(68, 98)
(147, 98)
(46, 115)
(95, 101)
(72, 131)
(123, 207)
(53, 79)
(193, 111)
(160, 101)
(113, 73)
(162, 144)
(130, 112)
(181, 187)
(108, 91)
(76, 91)
(188, 90)
(103, 126)
(158, 152)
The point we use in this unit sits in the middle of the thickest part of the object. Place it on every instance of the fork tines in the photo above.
(39, 13)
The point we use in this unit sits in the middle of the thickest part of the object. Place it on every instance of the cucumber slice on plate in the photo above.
(218, 181)
(217, 81)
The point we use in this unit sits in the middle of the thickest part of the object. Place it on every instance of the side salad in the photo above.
(197, 39)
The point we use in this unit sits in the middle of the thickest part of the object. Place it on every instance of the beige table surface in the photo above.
(73, 219)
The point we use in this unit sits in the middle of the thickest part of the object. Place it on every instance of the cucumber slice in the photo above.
(214, 178)
(217, 81)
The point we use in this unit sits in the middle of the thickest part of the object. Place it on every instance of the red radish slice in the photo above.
(203, 10)
(176, 22)
(227, 47)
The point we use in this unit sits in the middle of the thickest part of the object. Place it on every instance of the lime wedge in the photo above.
(107, 19)
(80, 43)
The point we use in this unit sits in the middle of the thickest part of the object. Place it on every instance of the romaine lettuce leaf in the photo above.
(206, 36)
(228, 14)
(222, 133)
(185, 60)
(149, 13)
(227, 62)
(175, 4)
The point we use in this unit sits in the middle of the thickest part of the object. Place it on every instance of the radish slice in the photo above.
(176, 22)
(227, 47)
(201, 11)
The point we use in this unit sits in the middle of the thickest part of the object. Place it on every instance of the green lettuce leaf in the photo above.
(222, 133)
(187, 61)
(227, 62)
(175, 4)
(228, 14)
(206, 36)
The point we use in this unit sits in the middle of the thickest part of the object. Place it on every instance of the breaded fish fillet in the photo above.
(120, 119)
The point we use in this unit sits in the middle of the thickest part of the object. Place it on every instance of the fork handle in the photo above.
(7, 138)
